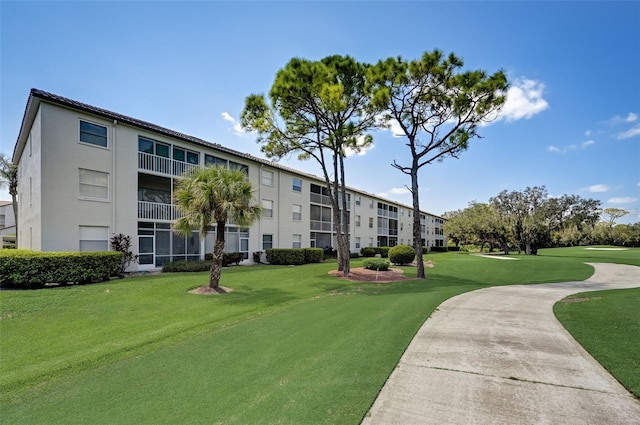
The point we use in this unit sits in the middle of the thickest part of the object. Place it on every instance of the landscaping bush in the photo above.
(376, 264)
(439, 249)
(313, 255)
(228, 258)
(285, 256)
(354, 255)
(187, 266)
(257, 257)
(453, 248)
(368, 251)
(23, 268)
(402, 254)
(382, 250)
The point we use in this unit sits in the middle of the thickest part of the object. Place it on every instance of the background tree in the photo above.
(320, 110)
(9, 177)
(610, 215)
(214, 195)
(438, 109)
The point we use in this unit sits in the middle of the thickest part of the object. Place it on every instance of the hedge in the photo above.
(228, 258)
(376, 264)
(372, 251)
(313, 255)
(286, 256)
(439, 249)
(24, 268)
(186, 266)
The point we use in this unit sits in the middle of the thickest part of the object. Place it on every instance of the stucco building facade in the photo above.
(86, 174)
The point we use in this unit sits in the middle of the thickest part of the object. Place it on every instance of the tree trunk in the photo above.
(527, 248)
(417, 233)
(346, 260)
(216, 261)
(14, 198)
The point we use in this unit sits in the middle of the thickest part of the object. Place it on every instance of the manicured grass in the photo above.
(289, 345)
(607, 325)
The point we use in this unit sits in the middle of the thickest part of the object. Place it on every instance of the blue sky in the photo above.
(571, 122)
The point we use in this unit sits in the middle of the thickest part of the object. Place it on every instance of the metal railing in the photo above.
(159, 164)
(157, 211)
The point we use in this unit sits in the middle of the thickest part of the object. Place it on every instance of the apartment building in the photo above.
(86, 174)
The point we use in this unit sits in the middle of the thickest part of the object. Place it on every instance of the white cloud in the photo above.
(569, 148)
(631, 117)
(237, 127)
(361, 151)
(524, 100)
(622, 200)
(587, 133)
(632, 132)
(394, 191)
(598, 188)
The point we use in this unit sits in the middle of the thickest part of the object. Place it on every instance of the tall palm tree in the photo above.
(214, 195)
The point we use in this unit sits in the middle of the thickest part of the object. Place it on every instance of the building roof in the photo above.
(37, 95)
(5, 203)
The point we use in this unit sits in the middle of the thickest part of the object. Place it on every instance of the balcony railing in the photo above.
(157, 211)
(158, 164)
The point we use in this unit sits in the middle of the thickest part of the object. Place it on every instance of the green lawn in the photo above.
(289, 345)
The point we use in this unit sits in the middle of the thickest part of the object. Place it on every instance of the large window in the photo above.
(153, 147)
(358, 200)
(94, 238)
(357, 221)
(93, 184)
(210, 160)
(93, 134)
(267, 208)
(184, 155)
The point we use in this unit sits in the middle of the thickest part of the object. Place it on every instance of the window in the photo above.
(184, 155)
(93, 134)
(94, 184)
(357, 221)
(370, 222)
(267, 242)
(296, 212)
(210, 160)
(370, 241)
(267, 208)
(94, 238)
(267, 178)
(358, 199)
(152, 147)
(371, 204)
(297, 185)
(297, 241)
(357, 242)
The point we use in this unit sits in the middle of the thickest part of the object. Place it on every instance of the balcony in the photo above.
(157, 212)
(159, 164)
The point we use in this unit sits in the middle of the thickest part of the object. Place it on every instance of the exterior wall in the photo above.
(52, 210)
(30, 188)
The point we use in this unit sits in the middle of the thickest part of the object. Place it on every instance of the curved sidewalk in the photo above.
(499, 356)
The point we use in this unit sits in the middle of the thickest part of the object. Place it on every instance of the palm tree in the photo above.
(9, 176)
(214, 195)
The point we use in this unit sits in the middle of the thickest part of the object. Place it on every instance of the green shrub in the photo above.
(285, 256)
(376, 264)
(382, 250)
(368, 251)
(453, 248)
(313, 255)
(187, 266)
(402, 254)
(228, 258)
(354, 255)
(23, 268)
(439, 249)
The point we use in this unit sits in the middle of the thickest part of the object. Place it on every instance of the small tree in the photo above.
(214, 195)
(122, 243)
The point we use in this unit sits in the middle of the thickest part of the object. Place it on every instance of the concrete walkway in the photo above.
(499, 356)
